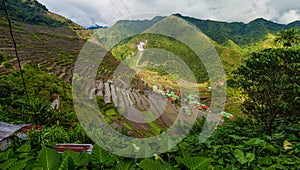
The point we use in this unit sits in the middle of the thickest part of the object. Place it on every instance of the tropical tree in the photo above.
(288, 37)
(270, 80)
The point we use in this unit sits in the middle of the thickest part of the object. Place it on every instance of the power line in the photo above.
(117, 8)
(126, 7)
(15, 46)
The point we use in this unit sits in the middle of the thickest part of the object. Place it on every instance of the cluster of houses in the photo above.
(189, 101)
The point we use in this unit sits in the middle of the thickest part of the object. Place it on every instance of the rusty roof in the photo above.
(7, 130)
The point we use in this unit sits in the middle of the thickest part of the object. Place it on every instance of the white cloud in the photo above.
(104, 12)
(289, 16)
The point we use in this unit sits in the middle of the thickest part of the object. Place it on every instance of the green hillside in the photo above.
(124, 29)
(43, 38)
(32, 12)
(240, 33)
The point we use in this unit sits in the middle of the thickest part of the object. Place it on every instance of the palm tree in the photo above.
(288, 37)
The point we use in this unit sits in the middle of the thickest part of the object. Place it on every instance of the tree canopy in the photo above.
(288, 37)
(270, 80)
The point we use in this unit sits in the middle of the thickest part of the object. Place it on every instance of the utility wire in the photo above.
(117, 8)
(16, 51)
(126, 7)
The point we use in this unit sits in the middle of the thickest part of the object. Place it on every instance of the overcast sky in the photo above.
(106, 12)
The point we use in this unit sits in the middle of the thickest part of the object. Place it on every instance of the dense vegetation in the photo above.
(239, 144)
(264, 135)
(270, 79)
(127, 48)
(30, 12)
(240, 33)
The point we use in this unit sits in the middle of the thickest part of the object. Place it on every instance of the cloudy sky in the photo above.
(106, 12)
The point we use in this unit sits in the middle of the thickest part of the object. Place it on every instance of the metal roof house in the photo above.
(7, 132)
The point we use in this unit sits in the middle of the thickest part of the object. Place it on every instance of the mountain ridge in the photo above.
(240, 33)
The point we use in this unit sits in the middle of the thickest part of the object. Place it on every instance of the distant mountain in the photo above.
(221, 32)
(97, 27)
(53, 42)
(123, 29)
(295, 24)
(240, 33)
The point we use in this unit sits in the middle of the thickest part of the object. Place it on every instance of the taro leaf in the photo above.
(26, 156)
(5, 155)
(37, 168)
(126, 165)
(84, 159)
(8, 163)
(67, 164)
(270, 148)
(149, 164)
(19, 165)
(239, 155)
(48, 159)
(101, 157)
(194, 163)
(256, 141)
(236, 137)
(250, 157)
(144, 150)
(276, 166)
(266, 160)
(72, 154)
(24, 148)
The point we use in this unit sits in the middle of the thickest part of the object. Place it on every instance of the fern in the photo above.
(149, 164)
(48, 159)
(67, 164)
(194, 163)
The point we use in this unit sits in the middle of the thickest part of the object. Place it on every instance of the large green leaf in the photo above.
(101, 157)
(236, 137)
(67, 164)
(80, 159)
(8, 163)
(195, 162)
(72, 154)
(271, 148)
(24, 148)
(266, 160)
(26, 156)
(250, 157)
(256, 141)
(84, 159)
(5, 155)
(239, 155)
(125, 165)
(149, 164)
(19, 165)
(48, 159)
